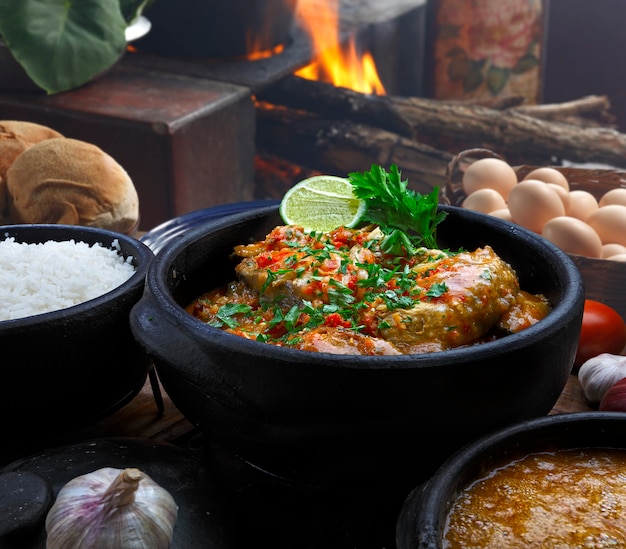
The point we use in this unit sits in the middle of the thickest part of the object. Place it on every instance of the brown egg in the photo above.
(581, 204)
(610, 223)
(484, 200)
(549, 175)
(614, 196)
(573, 236)
(489, 173)
(504, 213)
(612, 249)
(562, 192)
(532, 204)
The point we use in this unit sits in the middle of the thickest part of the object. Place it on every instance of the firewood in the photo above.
(520, 134)
(342, 146)
(591, 110)
(275, 175)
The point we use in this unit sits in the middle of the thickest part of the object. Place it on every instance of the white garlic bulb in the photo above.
(598, 373)
(112, 509)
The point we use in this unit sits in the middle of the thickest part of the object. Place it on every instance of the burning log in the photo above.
(521, 134)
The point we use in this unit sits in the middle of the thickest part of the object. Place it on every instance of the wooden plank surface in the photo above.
(142, 418)
(572, 399)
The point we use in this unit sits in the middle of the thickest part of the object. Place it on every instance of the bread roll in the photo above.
(72, 182)
(15, 137)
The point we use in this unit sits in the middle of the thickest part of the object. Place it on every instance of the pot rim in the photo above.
(572, 292)
(503, 440)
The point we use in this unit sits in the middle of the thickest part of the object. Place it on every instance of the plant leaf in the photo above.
(407, 218)
(62, 44)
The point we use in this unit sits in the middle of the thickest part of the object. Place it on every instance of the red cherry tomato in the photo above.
(603, 331)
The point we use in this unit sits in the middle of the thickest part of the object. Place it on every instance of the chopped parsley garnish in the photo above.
(407, 218)
(437, 289)
(226, 312)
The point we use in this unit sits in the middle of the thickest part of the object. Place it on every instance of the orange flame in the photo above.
(334, 63)
(256, 49)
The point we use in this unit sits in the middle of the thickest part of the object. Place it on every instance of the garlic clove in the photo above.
(598, 373)
(614, 399)
(111, 509)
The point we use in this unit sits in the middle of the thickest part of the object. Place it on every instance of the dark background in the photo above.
(586, 52)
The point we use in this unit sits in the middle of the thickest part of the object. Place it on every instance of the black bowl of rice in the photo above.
(69, 357)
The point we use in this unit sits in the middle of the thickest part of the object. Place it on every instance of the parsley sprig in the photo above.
(407, 218)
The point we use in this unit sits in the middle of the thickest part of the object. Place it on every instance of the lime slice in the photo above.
(322, 203)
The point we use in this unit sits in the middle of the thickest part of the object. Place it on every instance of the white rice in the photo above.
(43, 277)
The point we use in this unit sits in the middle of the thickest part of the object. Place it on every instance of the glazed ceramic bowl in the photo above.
(69, 367)
(421, 522)
(322, 420)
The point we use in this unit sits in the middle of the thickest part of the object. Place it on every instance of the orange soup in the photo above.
(562, 499)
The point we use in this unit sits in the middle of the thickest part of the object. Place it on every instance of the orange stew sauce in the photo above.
(562, 499)
(338, 292)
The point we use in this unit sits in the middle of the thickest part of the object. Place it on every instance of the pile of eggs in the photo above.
(542, 202)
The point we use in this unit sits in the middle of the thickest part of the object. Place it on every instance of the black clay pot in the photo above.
(350, 421)
(422, 519)
(216, 28)
(71, 367)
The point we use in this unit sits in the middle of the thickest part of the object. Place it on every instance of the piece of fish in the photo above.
(480, 288)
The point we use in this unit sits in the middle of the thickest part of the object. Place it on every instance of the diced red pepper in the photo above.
(263, 261)
(334, 320)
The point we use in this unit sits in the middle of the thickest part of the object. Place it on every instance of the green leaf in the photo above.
(525, 63)
(474, 78)
(226, 313)
(496, 79)
(63, 44)
(407, 218)
(437, 289)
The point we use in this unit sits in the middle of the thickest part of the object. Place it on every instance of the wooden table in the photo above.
(144, 417)
(572, 399)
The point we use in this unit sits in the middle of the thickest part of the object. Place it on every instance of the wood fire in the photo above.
(335, 62)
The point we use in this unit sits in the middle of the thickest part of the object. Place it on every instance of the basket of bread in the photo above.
(48, 178)
(580, 209)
